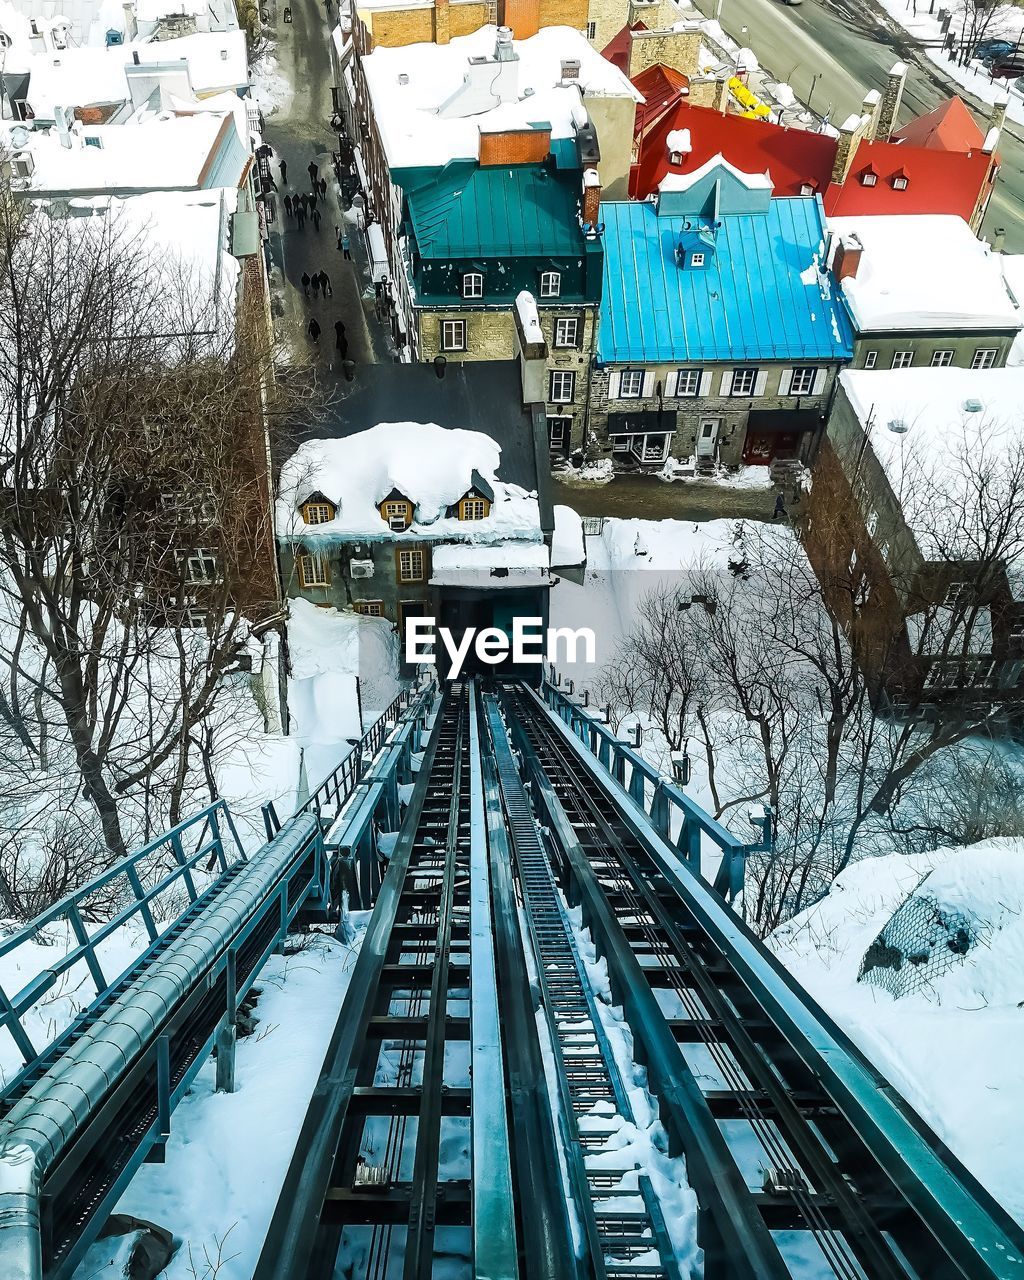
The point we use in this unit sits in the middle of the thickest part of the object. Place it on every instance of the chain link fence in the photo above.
(921, 942)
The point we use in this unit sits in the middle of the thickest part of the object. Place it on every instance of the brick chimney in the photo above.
(442, 25)
(514, 146)
(847, 256)
(892, 100)
(591, 197)
(851, 133)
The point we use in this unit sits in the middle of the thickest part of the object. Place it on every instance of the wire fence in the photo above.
(921, 942)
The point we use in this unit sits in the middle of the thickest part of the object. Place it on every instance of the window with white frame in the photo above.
(567, 331)
(872, 523)
(591, 30)
(803, 380)
(868, 179)
(688, 382)
(871, 359)
(370, 608)
(453, 335)
(473, 285)
(959, 594)
(984, 358)
(902, 359)
(940, 359)
(201, 566)
(900, 183)
(743, 382)
(644, 447)
(806, 189)
(397, 515)
(696, 259)
(631, 384)
(561, 386)
(550, 284)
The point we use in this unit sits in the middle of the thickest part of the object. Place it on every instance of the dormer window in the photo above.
(900, 182)
(318, 510)
(550, 284)
(696, 259)
(397, 511)
(869, 178)
(675, 157)
(473, 285)
(474, 507)
(807, 188)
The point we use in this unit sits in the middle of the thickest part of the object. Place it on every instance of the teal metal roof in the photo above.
(464, 211)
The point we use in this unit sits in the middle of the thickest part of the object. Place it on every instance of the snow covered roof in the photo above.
(166, 152)
(567, 547)
(502, 567)
(684, 181)
(925, 426)
(90, 20)
(431, 466)
(924, 271)
(409, 86)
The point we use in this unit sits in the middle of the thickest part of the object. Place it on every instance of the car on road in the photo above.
(1008, 68)
(991, 49)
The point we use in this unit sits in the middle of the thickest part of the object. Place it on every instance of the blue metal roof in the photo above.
(748, 303)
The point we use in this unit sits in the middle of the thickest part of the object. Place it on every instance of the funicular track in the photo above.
(374, 1189)
(802, 1173)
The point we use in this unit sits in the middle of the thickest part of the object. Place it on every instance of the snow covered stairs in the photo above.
(621, 1216)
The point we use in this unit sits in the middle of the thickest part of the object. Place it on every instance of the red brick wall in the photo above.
(522, 146)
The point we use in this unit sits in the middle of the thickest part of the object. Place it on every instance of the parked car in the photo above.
(991, 49)
(1008, 68)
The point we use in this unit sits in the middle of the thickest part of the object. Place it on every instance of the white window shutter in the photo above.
(614, 379)
(649, 380)
(820, 378)
(706, 379)
(726, 388)
(671, 382)
(761, 383)
(785, 382)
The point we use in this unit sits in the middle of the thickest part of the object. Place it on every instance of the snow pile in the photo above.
(924, 271)
(955, 1050)
(567, 547)
(429, 465)
(270, 87)
(678, 140)
(509, 565)
(409, 85)
(529, 317)
(746, 60)
(344, 673)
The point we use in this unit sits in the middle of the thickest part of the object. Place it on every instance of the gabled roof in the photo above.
(950, 127)
(938, 182)
(466, 211)
(760, 298)
(616, 51)
(662, 87)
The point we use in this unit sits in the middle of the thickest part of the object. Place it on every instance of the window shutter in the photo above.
(761, 383)
(820, 378)
(614, 379)
(726, 388)
(671, 380)
(785, 382)
(706, 379)
(649, 381)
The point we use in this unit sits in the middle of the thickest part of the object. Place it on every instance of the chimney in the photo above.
(63, 118)
(721, 103)
(131, 26)
(870, 107)
(851, 131)
(442, 24)
(997, 116)
(846, 259)
(892, 100)
(998, 239)
(487, 83)
(591, 198)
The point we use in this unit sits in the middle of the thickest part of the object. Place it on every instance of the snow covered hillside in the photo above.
(954, 1048)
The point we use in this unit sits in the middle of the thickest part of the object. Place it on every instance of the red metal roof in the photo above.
(937, 181)
(950, 127)
(662, 87)
(617, 50)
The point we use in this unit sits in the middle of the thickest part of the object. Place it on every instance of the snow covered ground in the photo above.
(228, 1153)
(956, 1050)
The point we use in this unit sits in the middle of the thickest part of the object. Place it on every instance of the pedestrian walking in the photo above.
(306, 282)
(287, 14)
(313, 169)
(315, 217)
(780, 508)
(314, 280)
(341, 342)
(325, 284)
(313, 329)
(323, 188)
(346, 247)
(284, 173)
(300, 214)
(288, 206)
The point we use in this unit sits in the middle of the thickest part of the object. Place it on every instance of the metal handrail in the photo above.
(133, 869)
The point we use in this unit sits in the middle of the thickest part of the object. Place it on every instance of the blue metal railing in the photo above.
(662, 800)
(195, 844)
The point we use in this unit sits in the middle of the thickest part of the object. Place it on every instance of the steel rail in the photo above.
(975, 1238)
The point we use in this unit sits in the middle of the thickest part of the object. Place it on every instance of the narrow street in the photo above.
(844, 50)
(300, 133)
(647, 497)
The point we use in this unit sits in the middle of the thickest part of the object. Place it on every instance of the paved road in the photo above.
(853, 46)
(648, 498)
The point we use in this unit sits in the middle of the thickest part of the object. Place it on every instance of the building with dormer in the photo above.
(721, 330)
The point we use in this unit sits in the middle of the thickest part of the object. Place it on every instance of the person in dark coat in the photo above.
(306, 282)
(325, 284)
(315, 218)
(300, 214)
(313, 169)
(780, 511)
(314, 280)
(313, 329)
(284, 173)
(288, 205)
(341, 342)
(322, 184)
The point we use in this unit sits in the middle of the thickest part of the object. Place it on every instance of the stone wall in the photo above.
(924, 346)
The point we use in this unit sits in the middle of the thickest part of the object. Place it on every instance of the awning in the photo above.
(364, 182)
(380, 268)
(642, 420)
(767, 420)
(506, 565)
(245, 234)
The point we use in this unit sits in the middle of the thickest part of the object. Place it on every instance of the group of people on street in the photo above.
(340, 340)
(318, 281)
